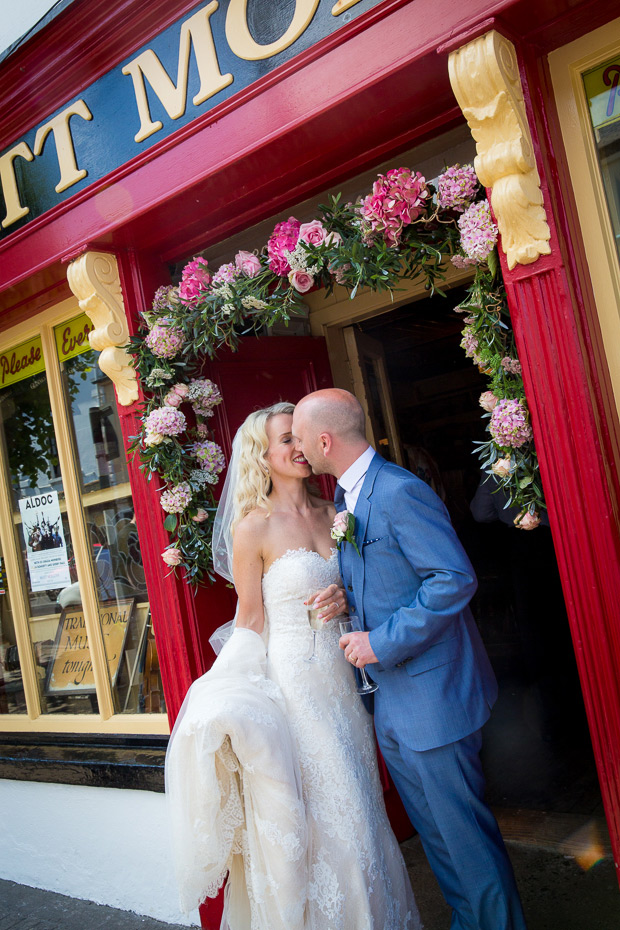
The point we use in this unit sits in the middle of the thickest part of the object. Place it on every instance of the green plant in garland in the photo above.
(404, 228)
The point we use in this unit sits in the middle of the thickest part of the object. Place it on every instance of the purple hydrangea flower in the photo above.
(176, 499)
(165, 340)
(509, 425)
(166, 421)
(478, 231)
(456, 187)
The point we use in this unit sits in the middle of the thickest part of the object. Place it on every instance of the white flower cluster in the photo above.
(227, 309)
(225, 291)
(298, 260)
(253, 303)
(199, 478)
(157, 376)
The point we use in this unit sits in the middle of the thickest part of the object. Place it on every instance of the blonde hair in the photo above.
(254, 481)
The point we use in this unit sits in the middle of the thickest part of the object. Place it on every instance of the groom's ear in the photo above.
(325, 443)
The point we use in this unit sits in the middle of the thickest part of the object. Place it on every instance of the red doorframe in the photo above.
(575, 424)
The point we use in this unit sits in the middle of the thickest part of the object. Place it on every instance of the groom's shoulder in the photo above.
(395, 480)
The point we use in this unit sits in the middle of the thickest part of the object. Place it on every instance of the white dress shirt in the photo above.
(352, 480)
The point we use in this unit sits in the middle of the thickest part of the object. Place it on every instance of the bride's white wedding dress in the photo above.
(272, 776)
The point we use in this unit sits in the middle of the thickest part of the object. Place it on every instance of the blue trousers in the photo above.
(443, 793)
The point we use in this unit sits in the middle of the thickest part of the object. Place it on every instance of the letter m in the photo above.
(195, 31)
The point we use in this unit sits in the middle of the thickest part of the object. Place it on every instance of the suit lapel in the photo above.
(362, 513)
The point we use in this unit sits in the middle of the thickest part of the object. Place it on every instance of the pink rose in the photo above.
(247, 263)
(180, 389)
(172, 399)
(488, 401)
(527, 520)
(172, 556)
(200, 516)
(333, 238)
(341, 522)
(314, 233)
(501, 468)
(301, 281)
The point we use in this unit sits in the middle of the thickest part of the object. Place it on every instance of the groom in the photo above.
(411, 585)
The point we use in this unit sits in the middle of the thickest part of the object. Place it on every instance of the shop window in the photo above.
(76, 635)
(602, 86)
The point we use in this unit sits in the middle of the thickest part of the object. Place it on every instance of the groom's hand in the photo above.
(357, 649)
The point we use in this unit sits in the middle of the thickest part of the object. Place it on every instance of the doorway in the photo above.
(420, 394)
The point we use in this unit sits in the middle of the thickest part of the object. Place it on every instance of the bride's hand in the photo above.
(330, 602)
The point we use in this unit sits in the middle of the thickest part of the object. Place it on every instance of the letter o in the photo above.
(241, 41)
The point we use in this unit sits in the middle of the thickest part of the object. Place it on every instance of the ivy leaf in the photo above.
(170, 523)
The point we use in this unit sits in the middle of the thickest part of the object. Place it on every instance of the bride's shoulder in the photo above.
(251, 527)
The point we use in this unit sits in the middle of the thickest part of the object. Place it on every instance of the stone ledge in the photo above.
(103, 762)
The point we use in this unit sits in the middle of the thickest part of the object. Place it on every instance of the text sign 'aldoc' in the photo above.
(211, 54)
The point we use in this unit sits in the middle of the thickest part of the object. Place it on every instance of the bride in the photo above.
(271, 771)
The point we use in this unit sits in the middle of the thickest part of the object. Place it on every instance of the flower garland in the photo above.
(405, 228)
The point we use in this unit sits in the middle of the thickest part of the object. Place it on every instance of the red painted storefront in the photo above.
(376, 87)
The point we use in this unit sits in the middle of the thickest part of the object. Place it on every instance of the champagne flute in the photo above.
(315, 623)
(352, 624)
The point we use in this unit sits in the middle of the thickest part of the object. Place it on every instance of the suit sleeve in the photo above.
(420, 525)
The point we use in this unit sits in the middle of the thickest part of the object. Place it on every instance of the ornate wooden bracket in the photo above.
(485, 79)
(94, 279)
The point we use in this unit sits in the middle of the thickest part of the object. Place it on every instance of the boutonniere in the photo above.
(343, 529)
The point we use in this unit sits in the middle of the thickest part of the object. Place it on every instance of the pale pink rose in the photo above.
(301, 281)
(501, 468)
(341, 522)
(200, 516)
(488, 401)
(180, 389)
(527, 520)
(172, 399)
(333, 238)
(152, 438)
(314, 233)
(172, 556)
(247, 263)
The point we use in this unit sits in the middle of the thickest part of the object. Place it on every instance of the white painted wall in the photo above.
(100, 844)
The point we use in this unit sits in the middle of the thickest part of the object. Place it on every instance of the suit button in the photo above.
(350, 587)
(352, 606)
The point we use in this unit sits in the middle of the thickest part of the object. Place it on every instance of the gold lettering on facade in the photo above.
(8, 181)
(197, 31)
(243, 44)
(60, 126)
(343, 5)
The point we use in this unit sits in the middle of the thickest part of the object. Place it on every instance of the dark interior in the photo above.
(537, 753)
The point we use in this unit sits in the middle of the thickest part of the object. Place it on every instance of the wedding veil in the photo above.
(221, 540)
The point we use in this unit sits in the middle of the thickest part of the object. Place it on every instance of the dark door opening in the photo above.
(537, 751)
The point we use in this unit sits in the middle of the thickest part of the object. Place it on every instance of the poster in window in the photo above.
(46, 548)
(70, 669)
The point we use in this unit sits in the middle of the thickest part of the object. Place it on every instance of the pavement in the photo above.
(557, 893)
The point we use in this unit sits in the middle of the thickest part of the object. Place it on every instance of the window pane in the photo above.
(42, 535)
(602, 86)
(12, 697)
(111, 529)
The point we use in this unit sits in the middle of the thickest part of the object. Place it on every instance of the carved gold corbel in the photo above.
(485, 79)
(94, 279)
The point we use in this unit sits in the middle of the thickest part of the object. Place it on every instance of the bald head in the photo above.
(329, 426)
(334, 410)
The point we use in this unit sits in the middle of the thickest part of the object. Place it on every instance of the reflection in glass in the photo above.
(27, 435)
(12, 697)
(111, 531)
(602, 86)
(96, 425)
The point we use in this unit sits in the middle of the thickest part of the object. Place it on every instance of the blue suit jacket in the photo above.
(411, 586)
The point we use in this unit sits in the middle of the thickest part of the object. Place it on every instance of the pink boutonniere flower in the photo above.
(343, 529)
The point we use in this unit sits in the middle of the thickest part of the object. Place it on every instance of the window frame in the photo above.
(567, 66)
(106, 721)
